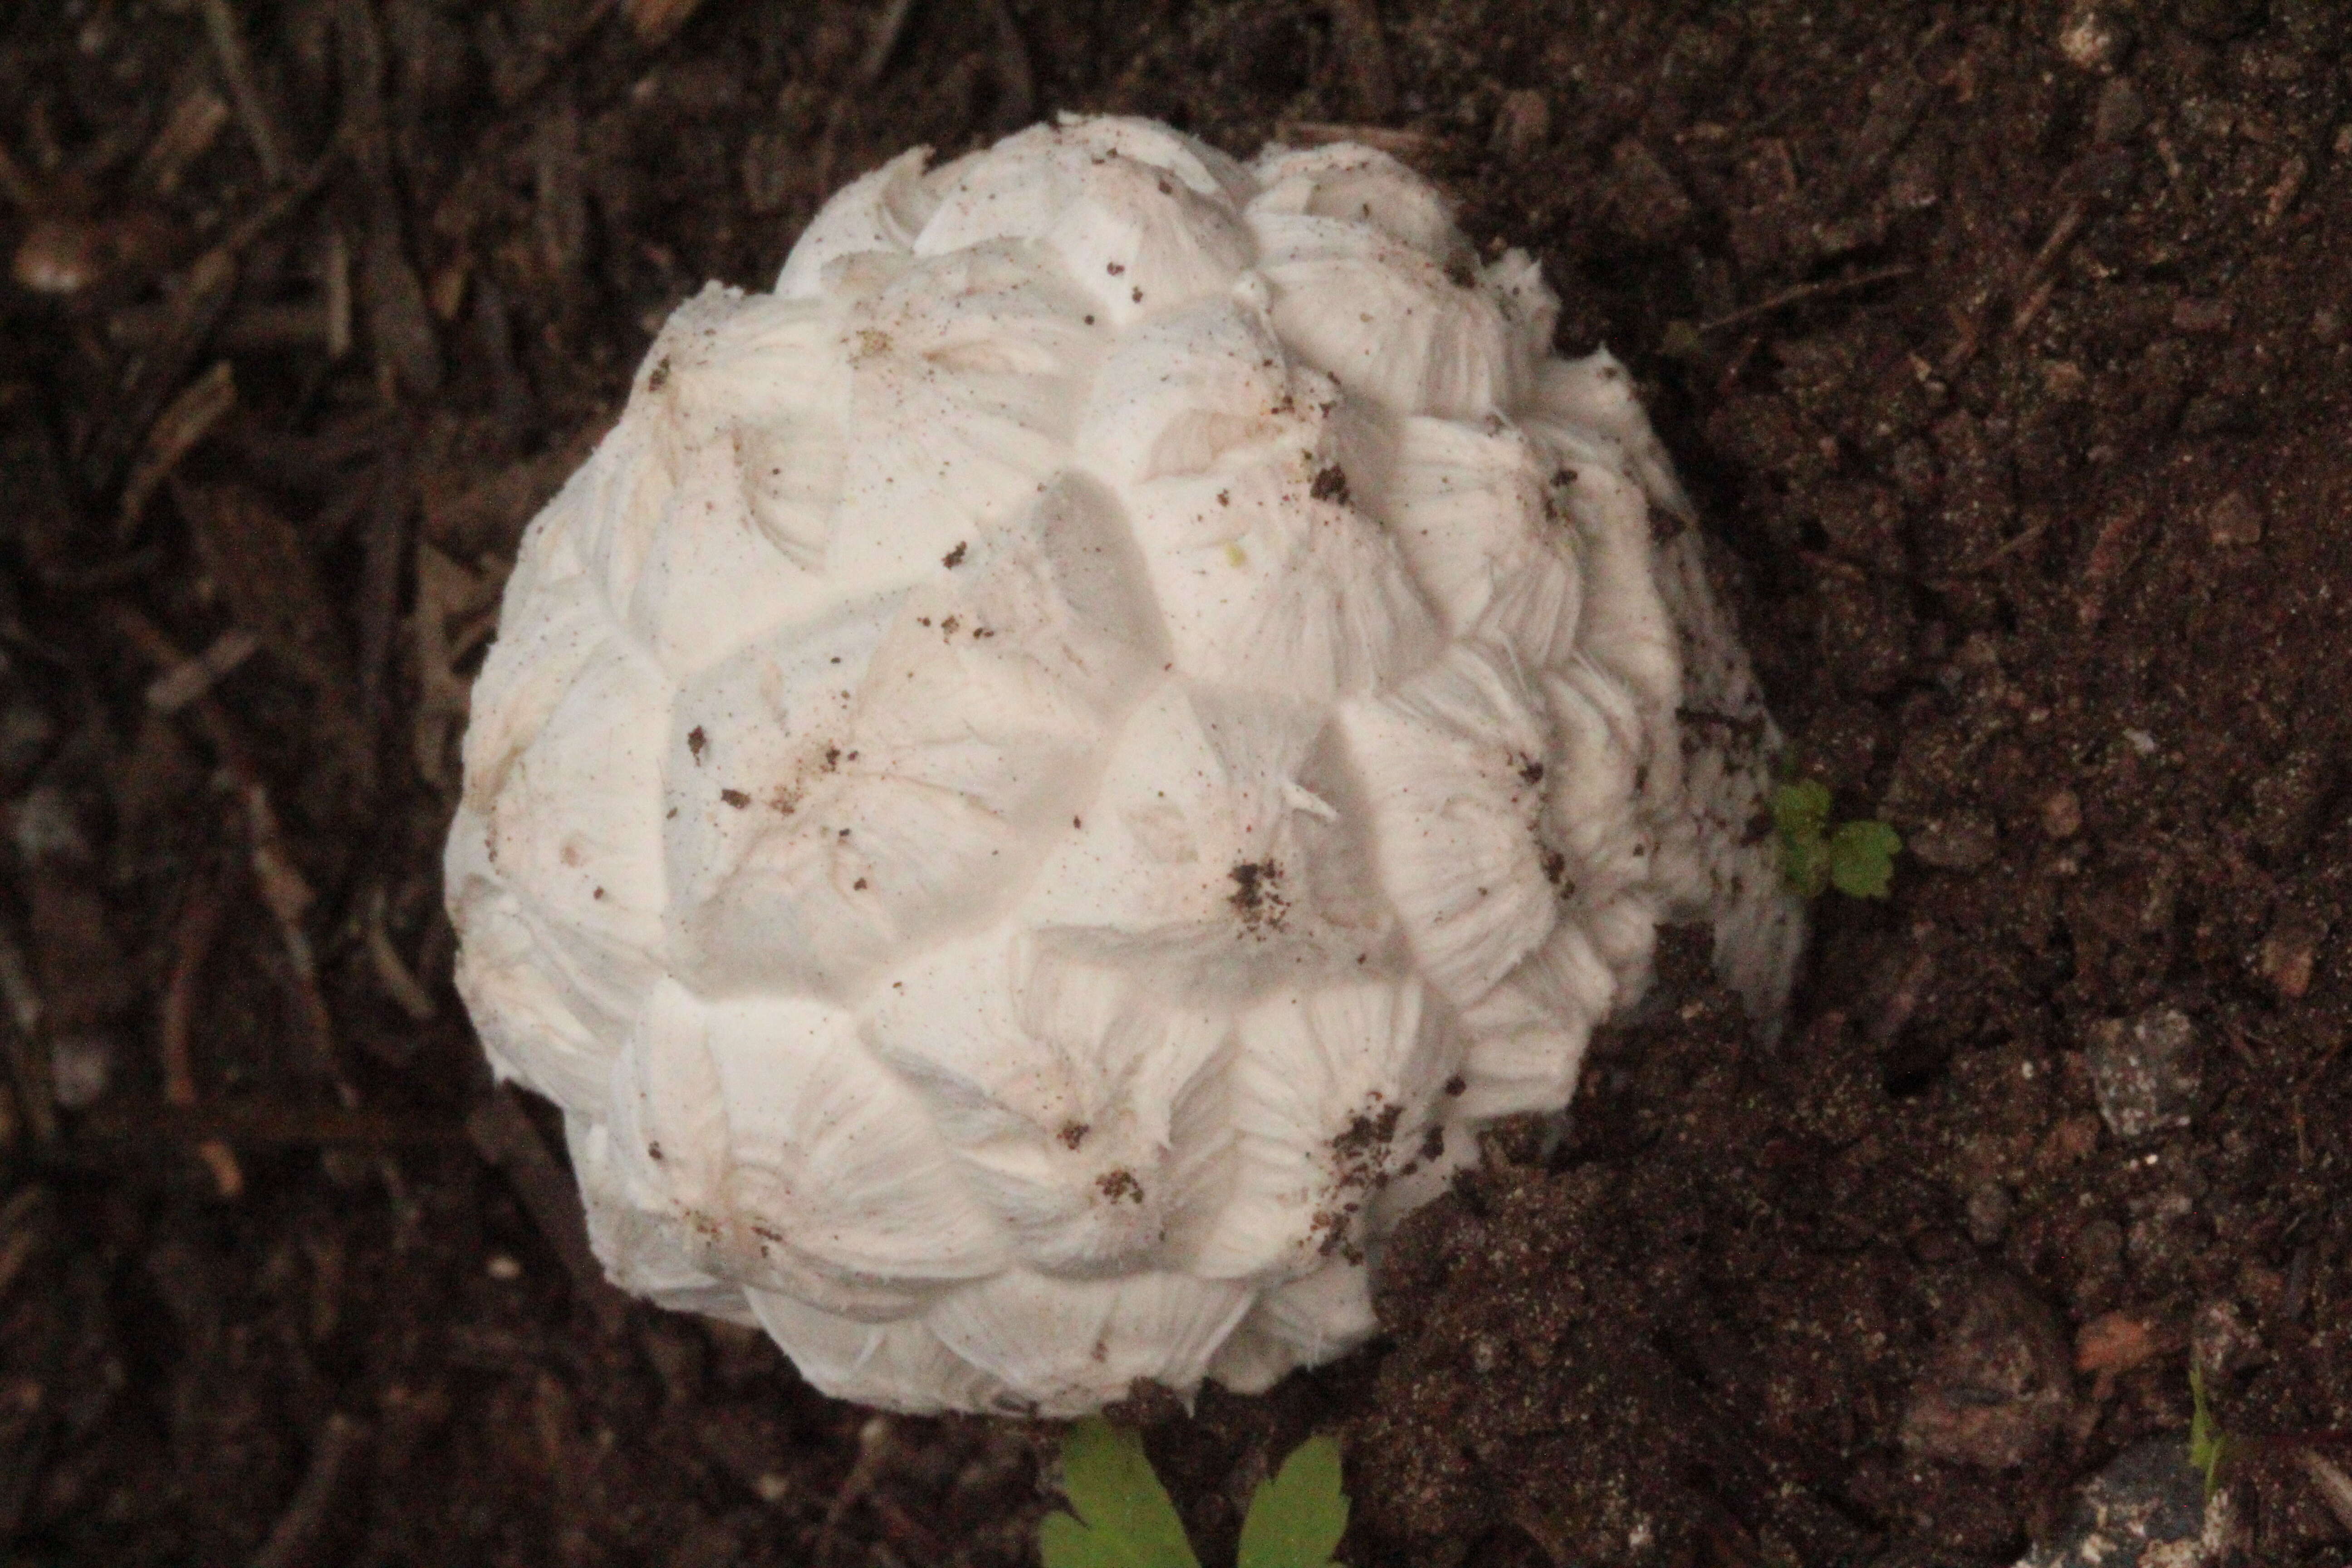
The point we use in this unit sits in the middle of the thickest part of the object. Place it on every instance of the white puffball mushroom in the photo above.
(1050, 774)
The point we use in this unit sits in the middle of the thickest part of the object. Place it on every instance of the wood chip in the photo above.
(199, 924)
(260, 1125)
(2040, 276)
(59, 256)
(444, 590)
(188, 133)
(359, 70)
(1820, 288)
(197, 307)
(657, 22)
(27, 1039)
(183, 426)
(23, 1221)
(2113, 548)
(391, 294)
(2335, 1486)
(2282, 195)
(385, 553)
(266, 578)
(336, 279)
(284, 890)
(399, 319)
(237, 70)
(1522, 123)
(1372, 84)
(2115, 1342)
(85, 979)
(1407, 145)
(888, 29)
(295, 1539)
(184, 683)
(391, 971)
(17, 185)
(560, 210)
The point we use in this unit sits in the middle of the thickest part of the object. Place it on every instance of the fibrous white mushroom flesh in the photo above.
(1049, 775)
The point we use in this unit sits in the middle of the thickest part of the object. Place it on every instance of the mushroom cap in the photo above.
(1049, 775)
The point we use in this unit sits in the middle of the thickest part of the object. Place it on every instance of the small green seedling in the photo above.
(1124, 1520)
(2212, 1450)
(1857, 858)
(2208, 1445)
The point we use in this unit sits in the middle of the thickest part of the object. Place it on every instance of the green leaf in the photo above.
(1801, 809)
(2208, 1445)
(1861, 858)
(1297, 1519)
(1124, 1518)
(1805, 866)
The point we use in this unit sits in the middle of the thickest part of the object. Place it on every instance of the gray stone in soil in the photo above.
(2143, 1071)
(2146, 1510)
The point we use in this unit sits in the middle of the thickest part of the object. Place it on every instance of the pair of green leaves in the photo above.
(1857, 858)
(1124, 1518)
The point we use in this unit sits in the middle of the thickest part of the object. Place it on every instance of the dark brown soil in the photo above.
(2007, 348)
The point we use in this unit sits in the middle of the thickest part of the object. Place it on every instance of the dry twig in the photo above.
(187, 135)
(294, 1540)
(200, 918)
(888, 30)
(178, 687)
(1820, 288)
(1396, 143)
(28, 1044)
(21, 1226)
(399, 982)
(2335, 1486)
(2041, 273)
(504, 1136)
(260, 1125)
(386, 550)
(236, 69)
(183, 426)
(446, 593)
(285, 892)
(266, 577)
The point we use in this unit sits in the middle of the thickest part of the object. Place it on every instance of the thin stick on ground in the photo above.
(1823, 289)
(237, 70)
(29, 1045)
(199, 924)
(296, 1536)
(284, 889)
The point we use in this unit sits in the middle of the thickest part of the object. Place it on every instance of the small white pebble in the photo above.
(502, 1266)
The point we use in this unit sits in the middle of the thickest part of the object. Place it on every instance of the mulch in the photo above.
(2007, 350)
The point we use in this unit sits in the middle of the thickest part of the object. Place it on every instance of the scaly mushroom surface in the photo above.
(1050, 774)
